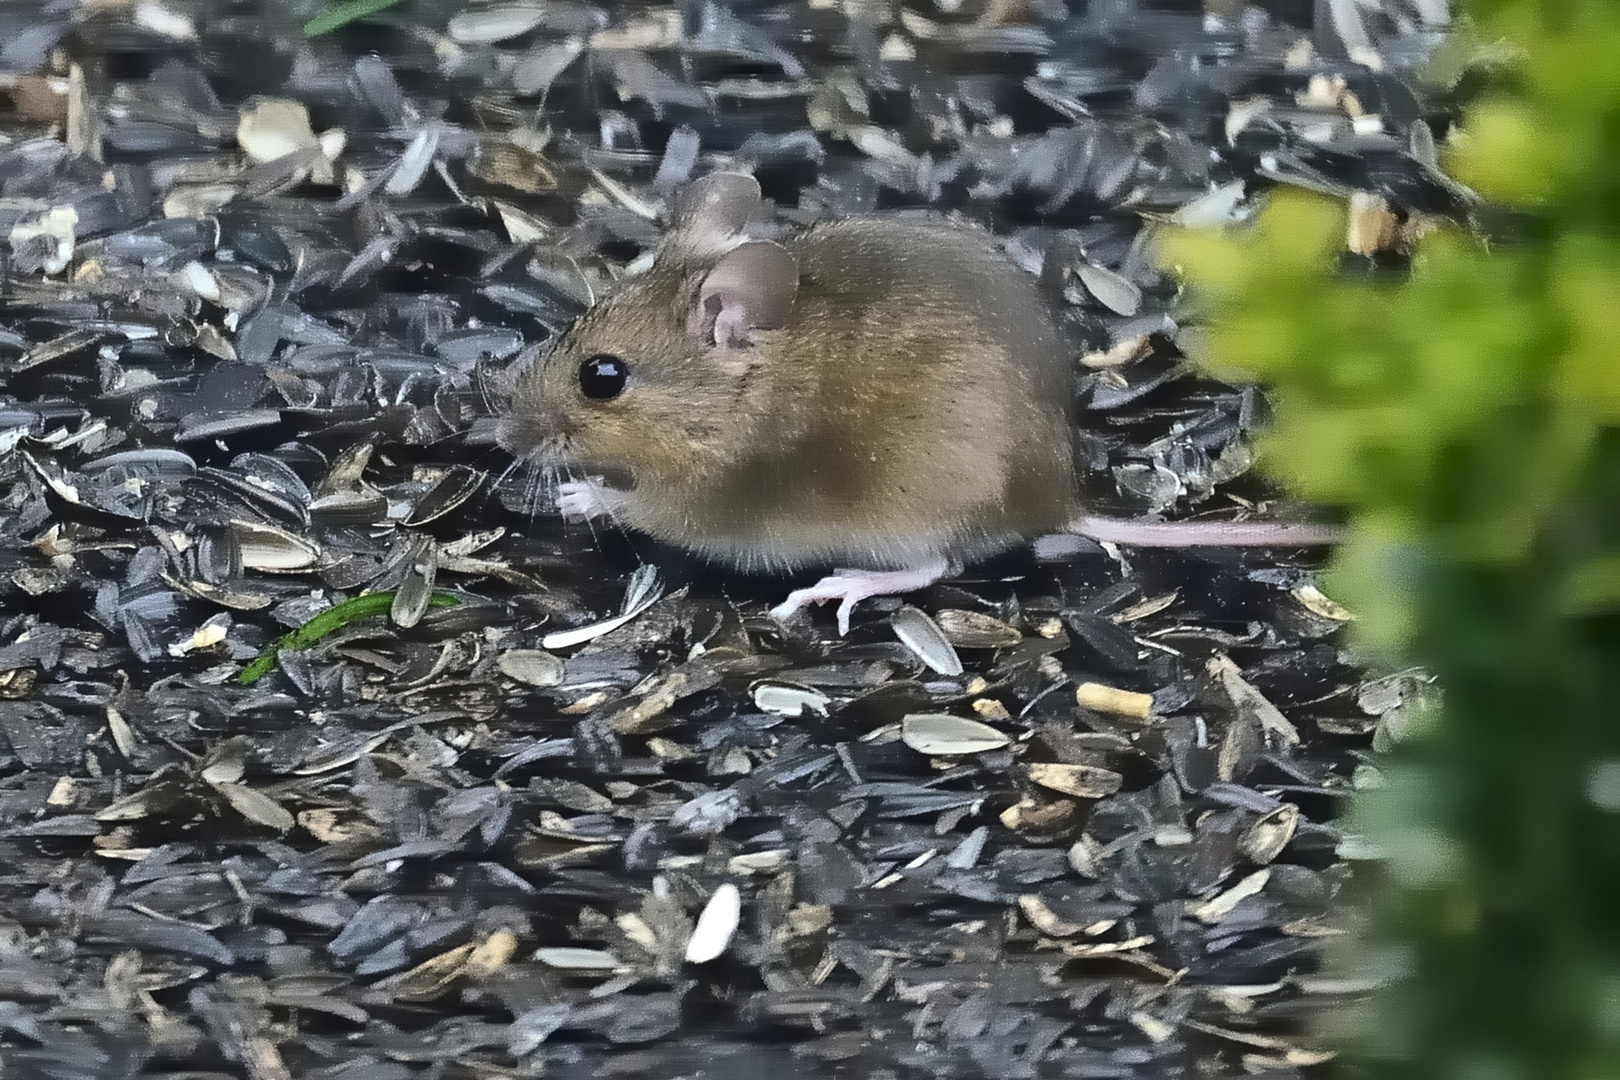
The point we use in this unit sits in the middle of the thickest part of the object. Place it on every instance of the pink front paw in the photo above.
(587, 499)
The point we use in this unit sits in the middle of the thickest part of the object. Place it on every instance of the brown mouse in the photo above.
(888, 394)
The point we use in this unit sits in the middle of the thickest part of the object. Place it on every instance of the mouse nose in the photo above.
(533, 421)
(529, 428)
(519, 435)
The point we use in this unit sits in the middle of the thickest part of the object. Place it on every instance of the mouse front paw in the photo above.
(588, 499)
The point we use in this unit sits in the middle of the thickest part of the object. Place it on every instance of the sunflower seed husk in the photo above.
(944, 735)
(532, 667)
(923, 637)
(715, 925)
(975, 630)
(1081, 781)
(1264, 840)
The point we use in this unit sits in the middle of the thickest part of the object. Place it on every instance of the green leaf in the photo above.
(364, 606)
(342, 14)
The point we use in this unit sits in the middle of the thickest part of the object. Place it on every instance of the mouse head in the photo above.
(653, 380)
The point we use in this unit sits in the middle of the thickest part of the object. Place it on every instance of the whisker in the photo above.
(529, 491)
(541, 482)
(506, 473)
(590, 522)
(482, 383)
(542, 478)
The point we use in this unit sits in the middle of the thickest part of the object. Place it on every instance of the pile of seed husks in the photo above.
(560, 803)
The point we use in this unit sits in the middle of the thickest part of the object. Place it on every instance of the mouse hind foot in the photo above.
(850, 587)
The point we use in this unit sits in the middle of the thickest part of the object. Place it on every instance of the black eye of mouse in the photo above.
(603, 377)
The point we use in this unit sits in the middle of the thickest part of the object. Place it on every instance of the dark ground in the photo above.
(236, 392)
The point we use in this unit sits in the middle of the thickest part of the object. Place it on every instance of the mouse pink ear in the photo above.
(752, 287)
(714, 208)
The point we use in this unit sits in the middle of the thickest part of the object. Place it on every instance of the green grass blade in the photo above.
(342, 14)
(364, 606)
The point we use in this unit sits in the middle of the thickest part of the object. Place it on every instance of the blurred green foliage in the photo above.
(1465, 416)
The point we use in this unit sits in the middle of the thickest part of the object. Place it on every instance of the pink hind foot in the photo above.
(850, 587)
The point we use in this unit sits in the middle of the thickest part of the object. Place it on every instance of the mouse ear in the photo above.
(713, 208)
(752, 287)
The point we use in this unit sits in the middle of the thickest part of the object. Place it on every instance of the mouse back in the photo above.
(947, 389)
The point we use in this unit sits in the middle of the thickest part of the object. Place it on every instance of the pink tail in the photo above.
(1130, 533)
